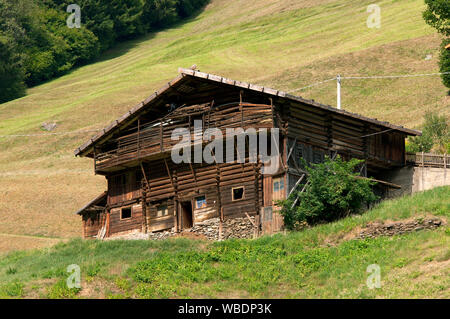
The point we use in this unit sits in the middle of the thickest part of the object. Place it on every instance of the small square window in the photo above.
(237, 193)
(162, 210)
(200, 202)
(125, 213)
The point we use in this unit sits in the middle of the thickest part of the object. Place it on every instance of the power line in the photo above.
(392, 76)
(370, 77)
(314, 84)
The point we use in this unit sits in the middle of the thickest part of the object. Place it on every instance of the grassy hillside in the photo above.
(283, 44)
(320, 262)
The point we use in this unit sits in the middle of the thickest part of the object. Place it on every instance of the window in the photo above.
(125, 213)
(237, 193)
(200, 202)
(278, 184)
(162, 210)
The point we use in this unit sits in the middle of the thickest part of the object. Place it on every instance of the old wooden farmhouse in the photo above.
(149, 192)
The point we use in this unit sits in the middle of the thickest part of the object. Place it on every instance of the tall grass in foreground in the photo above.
(316, 262)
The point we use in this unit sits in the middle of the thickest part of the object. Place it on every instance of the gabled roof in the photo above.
(182, 84)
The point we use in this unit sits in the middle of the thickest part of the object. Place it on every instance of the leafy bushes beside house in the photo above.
(333, 191)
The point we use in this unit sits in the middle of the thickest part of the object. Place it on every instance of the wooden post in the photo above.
(175, 207)
(421, 174)
(176, 201)
(161, 135)
(139, 138)
(95, 161)
(366, 150)
(107, 223)
(144, 211)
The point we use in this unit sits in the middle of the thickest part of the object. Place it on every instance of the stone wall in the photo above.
(415, 179)
(396, 228)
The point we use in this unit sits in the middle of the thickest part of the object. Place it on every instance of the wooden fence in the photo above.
(428, 160)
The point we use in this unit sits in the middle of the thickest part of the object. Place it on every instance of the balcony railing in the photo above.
(428, 159)
(153, 138)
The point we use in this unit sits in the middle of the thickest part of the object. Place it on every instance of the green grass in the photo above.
(315, 263)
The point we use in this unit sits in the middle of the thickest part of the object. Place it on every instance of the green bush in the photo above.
(333, 191)
(435, 135)
(61, 291)
(437, 15)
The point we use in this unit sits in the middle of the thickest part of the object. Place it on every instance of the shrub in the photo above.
(12, 289)
(61, 291)
(435, 135)
(333, 191)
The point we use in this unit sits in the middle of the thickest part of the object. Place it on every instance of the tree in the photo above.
(333, 191)
(36, 44)
(11, 72)
(437, 15)
(435, 135)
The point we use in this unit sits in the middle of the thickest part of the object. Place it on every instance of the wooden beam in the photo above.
(290, 151)
(296, 184)
(168, 172)
(392, 185)
(145, 176)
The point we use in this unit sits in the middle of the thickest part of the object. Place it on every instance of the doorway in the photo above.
(186, 215)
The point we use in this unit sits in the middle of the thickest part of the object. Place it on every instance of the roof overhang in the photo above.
(101, 199)
(190, 76)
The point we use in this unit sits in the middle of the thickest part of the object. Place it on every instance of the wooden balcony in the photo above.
(153, 140)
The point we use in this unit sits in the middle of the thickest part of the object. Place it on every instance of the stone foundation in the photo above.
(240, 227)
(231, 228)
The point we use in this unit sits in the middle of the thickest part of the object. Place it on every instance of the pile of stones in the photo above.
(161, 235)
(239, 228)
(208, 228)
(231, 228)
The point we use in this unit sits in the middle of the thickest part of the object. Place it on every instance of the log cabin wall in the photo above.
(207, 188)
(118, 223)
(319, 133)
(92, 223)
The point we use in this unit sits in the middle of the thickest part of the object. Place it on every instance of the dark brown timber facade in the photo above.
(148, 192)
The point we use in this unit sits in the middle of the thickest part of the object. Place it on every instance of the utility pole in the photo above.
(338, 91)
